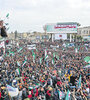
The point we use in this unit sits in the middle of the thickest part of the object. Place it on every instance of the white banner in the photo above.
(33, 46)
(12, 91)
(2, 44)
(59, 36)
(69, 27)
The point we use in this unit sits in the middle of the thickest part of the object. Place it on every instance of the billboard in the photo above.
(59, 36)
(61, 28)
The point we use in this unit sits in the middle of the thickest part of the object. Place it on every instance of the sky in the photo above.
(32, 15)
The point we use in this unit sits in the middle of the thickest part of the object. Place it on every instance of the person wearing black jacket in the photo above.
(3, 32)
(72, 80)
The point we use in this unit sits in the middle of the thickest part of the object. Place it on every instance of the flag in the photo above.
(6, 23)
(47, 64)
(54, 54)
(6, 54)
(7, 15)
(20, 49)
(86, 48)
(60, 94)
(25, 57)
(79, 83)
(57, 57)
(18, 63)
(40, 60)
(8, 28)
(87, 59)
(24, 63)
(46, 57)
(12, 91)
(53, 61)
(45, 52)
(76, 50)
(11, 52)
(33, 54)
(18, 71)
(34, 87)
(36, 50)
(68, 95)
(87, 66)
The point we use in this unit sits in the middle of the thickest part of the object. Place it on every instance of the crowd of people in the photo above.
(45, 73)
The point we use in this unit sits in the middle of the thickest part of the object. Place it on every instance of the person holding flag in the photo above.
(67, 95)
(79, 82)
(33, 54)
(53, 62)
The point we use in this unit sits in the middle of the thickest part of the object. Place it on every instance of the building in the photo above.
(84, 32)
(11, 35)
(37, 36)
(34, 36)
(61, 30)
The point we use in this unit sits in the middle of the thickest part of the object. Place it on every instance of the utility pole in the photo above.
(45, 31)
(15, 34)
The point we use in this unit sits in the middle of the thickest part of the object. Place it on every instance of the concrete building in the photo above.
(34, 37)
(11, 36)
(84, 32)
(37, 36)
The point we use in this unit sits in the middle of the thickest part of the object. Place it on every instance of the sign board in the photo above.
(59, 36)
(61, 28)
(9, 46)
(52, 46)
(30, 47)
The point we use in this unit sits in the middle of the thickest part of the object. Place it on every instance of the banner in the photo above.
(30, 47)
(69, 27)
(59, 36)
(12, 91)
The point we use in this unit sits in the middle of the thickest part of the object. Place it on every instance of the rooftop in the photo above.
(84, 27)
(64, 23)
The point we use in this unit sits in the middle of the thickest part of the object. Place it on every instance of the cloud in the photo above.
(79, 4)
(33, 14)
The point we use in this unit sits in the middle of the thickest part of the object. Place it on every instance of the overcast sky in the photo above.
(32, 15)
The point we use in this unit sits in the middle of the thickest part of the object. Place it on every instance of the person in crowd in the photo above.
(45, 75)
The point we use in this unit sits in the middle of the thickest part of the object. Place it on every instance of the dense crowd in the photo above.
(45, 73)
